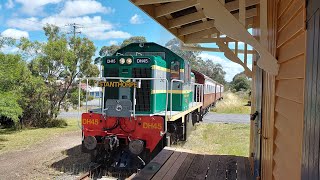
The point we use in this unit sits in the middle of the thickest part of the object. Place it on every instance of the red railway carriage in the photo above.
(212, 90)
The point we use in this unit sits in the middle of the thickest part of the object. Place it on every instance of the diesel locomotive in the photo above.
(151, 99)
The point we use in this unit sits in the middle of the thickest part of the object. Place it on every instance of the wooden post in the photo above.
(245, 54)
(242, 12)
(236, 48)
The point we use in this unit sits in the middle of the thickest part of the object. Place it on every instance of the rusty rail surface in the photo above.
(93, 170)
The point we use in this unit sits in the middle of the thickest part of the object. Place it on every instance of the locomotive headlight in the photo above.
(122, 61)
(129, 61)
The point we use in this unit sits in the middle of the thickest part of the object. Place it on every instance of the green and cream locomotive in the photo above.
(151, 99)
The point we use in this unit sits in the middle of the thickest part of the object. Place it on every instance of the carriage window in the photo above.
(175, 70)
(187, 73)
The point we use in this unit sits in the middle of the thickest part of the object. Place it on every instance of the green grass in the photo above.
(232, 104)
(11, 140)
(218, 138)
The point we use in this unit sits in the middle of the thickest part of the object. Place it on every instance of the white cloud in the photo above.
(229, 67)
(9, 4)
(28, 24)
(113, 42)
(36, 6)
(14, 33)
(110, 35)
(93, 27)
(136, 19)
(9, 49)
(83, 7)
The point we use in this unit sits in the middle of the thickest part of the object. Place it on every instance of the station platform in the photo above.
(175, 164)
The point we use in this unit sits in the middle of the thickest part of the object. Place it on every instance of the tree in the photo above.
(191, 56)
(240, 82)
(134, 39)
(14, 76)
(59, 61)
(34, 102)
(110, 50)
(213, 70)
(6, 41)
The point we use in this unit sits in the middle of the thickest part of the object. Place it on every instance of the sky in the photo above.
(105, 22)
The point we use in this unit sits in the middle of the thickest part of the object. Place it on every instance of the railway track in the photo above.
(97, 171)
(93, 172)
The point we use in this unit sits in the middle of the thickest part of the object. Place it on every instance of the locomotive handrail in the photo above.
(171, 85)
(134, 100)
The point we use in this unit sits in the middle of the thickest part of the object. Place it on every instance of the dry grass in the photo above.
(218, 138)
(232, 104)
(11, 140)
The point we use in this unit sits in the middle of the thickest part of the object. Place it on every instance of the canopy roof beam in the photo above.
(146, 2)
(200, 34)
(190, 48)
(210, 40)
(169, 8)
(183, 20)
(196, 28)
(204, 21)
(234, 5)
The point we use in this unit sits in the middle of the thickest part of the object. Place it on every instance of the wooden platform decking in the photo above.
(177, 165)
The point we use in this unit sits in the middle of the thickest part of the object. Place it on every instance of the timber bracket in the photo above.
(227, 24)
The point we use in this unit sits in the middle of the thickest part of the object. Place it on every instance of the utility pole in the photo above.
(75, 27)
(74, 31)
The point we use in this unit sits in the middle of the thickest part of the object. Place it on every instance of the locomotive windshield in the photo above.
(175, 70)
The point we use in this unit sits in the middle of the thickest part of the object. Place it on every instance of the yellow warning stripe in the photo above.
(160, 68)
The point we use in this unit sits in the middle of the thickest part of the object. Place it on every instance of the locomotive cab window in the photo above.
(175, 70)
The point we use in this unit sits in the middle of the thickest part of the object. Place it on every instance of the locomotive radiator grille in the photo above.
(111, 93)
(143, 93)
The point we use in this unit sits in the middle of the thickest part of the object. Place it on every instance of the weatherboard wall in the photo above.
(289, 89)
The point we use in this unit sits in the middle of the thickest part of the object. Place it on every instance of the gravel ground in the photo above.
(227, 118)
(59, 157)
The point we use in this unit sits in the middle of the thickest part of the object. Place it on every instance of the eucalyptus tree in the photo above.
(60, 61)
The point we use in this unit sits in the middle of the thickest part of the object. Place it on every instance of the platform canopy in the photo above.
(214, 21)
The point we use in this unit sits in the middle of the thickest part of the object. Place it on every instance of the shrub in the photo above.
(56, 123)
(240, 82)
(232, 104)
(9, 108)
(90, 98)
